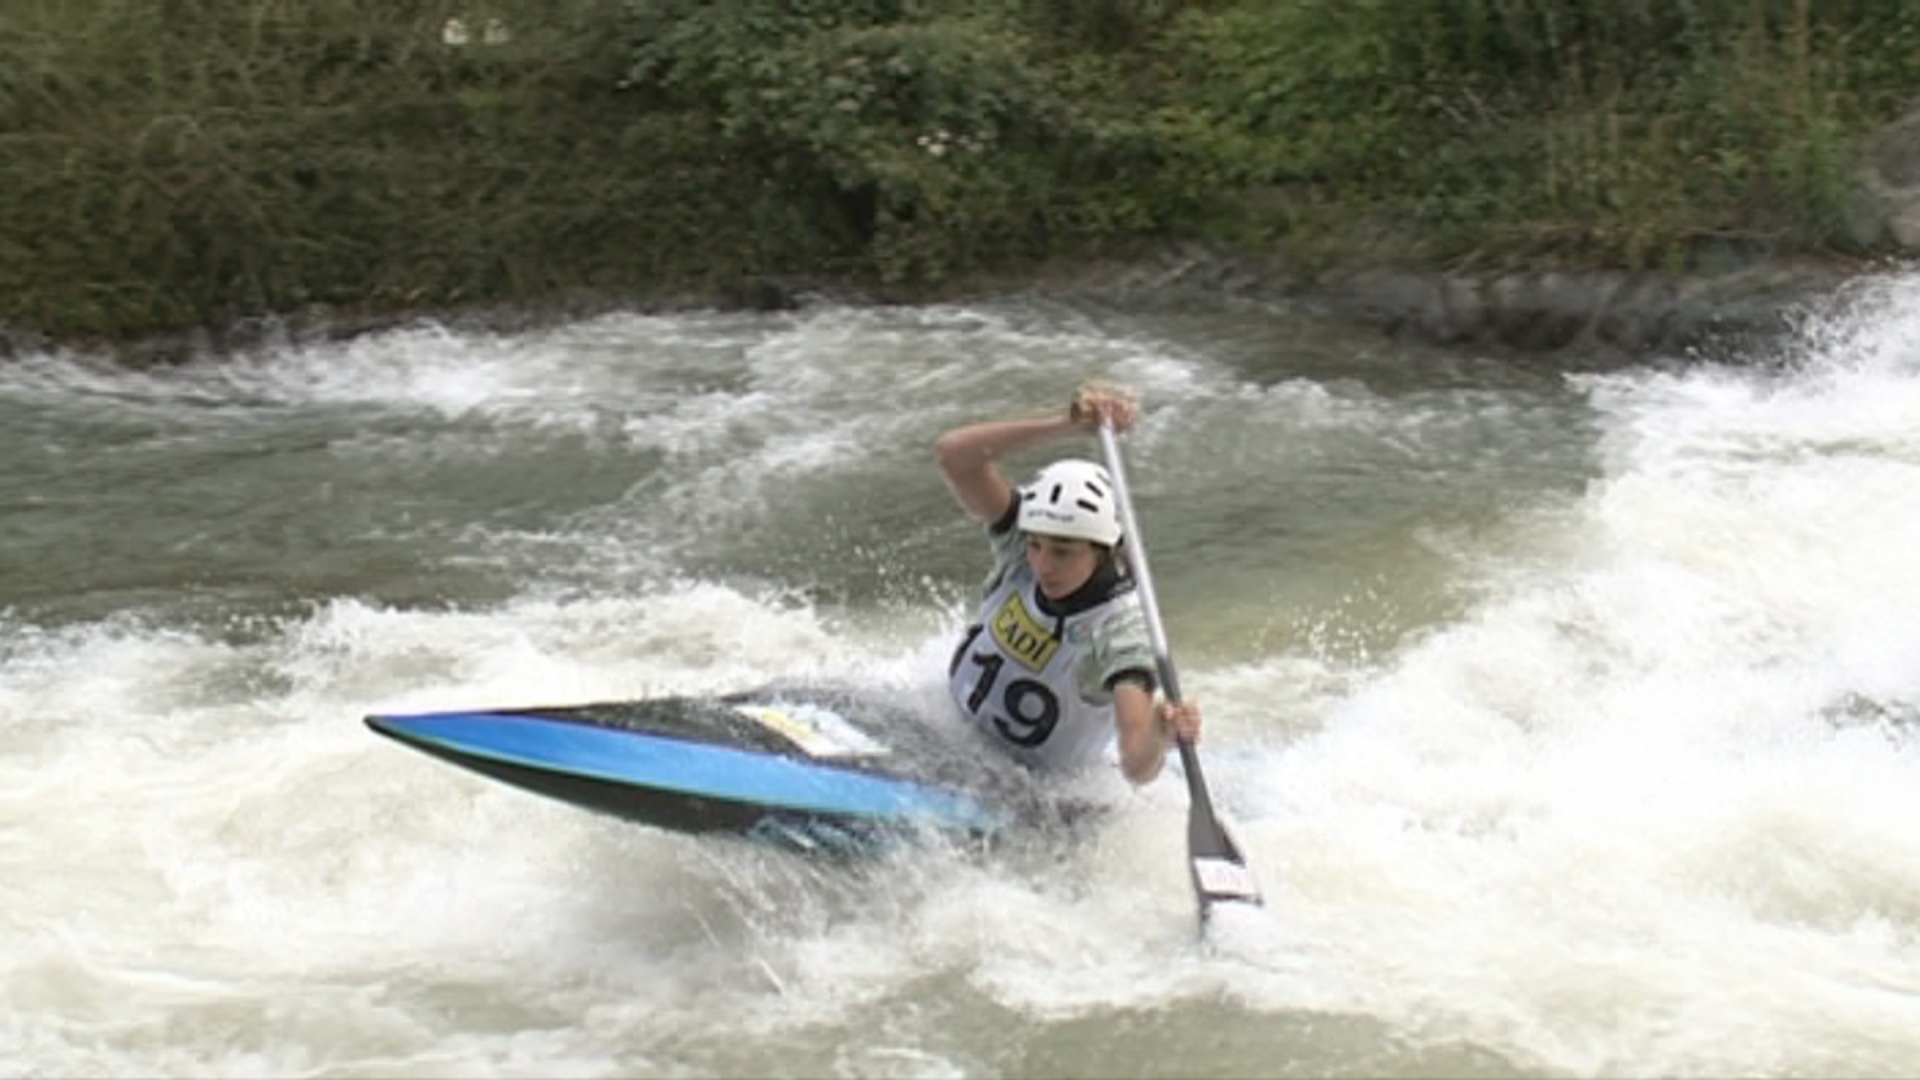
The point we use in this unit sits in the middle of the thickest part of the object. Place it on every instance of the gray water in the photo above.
(1568, 719)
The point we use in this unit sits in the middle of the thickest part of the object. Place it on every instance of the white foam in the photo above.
(1640, 800)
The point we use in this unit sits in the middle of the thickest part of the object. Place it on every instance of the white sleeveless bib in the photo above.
(1023, 676)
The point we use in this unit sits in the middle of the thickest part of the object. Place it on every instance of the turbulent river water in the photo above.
(1570, 719)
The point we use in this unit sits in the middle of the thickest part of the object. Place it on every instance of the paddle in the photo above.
(1220, 872)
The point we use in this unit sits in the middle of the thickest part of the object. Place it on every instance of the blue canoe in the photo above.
(808, 770)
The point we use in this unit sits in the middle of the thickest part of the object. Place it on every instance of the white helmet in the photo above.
(1071, 498)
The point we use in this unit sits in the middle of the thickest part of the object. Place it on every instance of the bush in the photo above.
(940, 142)
(175, 163)
(198, 161)
(1545, 129)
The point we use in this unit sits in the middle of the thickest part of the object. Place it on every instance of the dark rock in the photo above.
(1897, 157)
(1539, 312)
(759, 294)
(1599, 311)
(1462, 311)
(1635, 315)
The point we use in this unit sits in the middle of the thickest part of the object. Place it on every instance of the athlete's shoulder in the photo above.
(1120, 616)
(1009, 547)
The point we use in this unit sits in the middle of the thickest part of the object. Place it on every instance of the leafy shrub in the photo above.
(940, 142)
(176, 163)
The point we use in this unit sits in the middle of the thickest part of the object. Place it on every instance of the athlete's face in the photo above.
(1062, 565)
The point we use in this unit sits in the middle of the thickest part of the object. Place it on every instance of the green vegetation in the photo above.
(177, 163)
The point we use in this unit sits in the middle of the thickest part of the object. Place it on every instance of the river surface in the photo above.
(1571, 720)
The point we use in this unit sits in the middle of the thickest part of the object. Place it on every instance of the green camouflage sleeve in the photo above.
(1120, 644)
(1009, 552)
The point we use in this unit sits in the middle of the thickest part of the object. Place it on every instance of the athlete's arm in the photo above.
(967, 455)
(1145, 726)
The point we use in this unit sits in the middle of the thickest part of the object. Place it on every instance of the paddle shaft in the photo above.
(1135, 548)
(1219, 872)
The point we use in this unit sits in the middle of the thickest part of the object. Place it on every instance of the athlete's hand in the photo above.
(1180, 721)
(1095, 402)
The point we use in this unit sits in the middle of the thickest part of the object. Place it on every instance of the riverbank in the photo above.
(1583, 318)
(1596, 316)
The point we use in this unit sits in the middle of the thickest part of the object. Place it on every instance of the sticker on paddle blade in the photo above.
(1223, 878)
(816, 731)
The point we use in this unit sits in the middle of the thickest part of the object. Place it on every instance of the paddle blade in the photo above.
(1220, 872)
